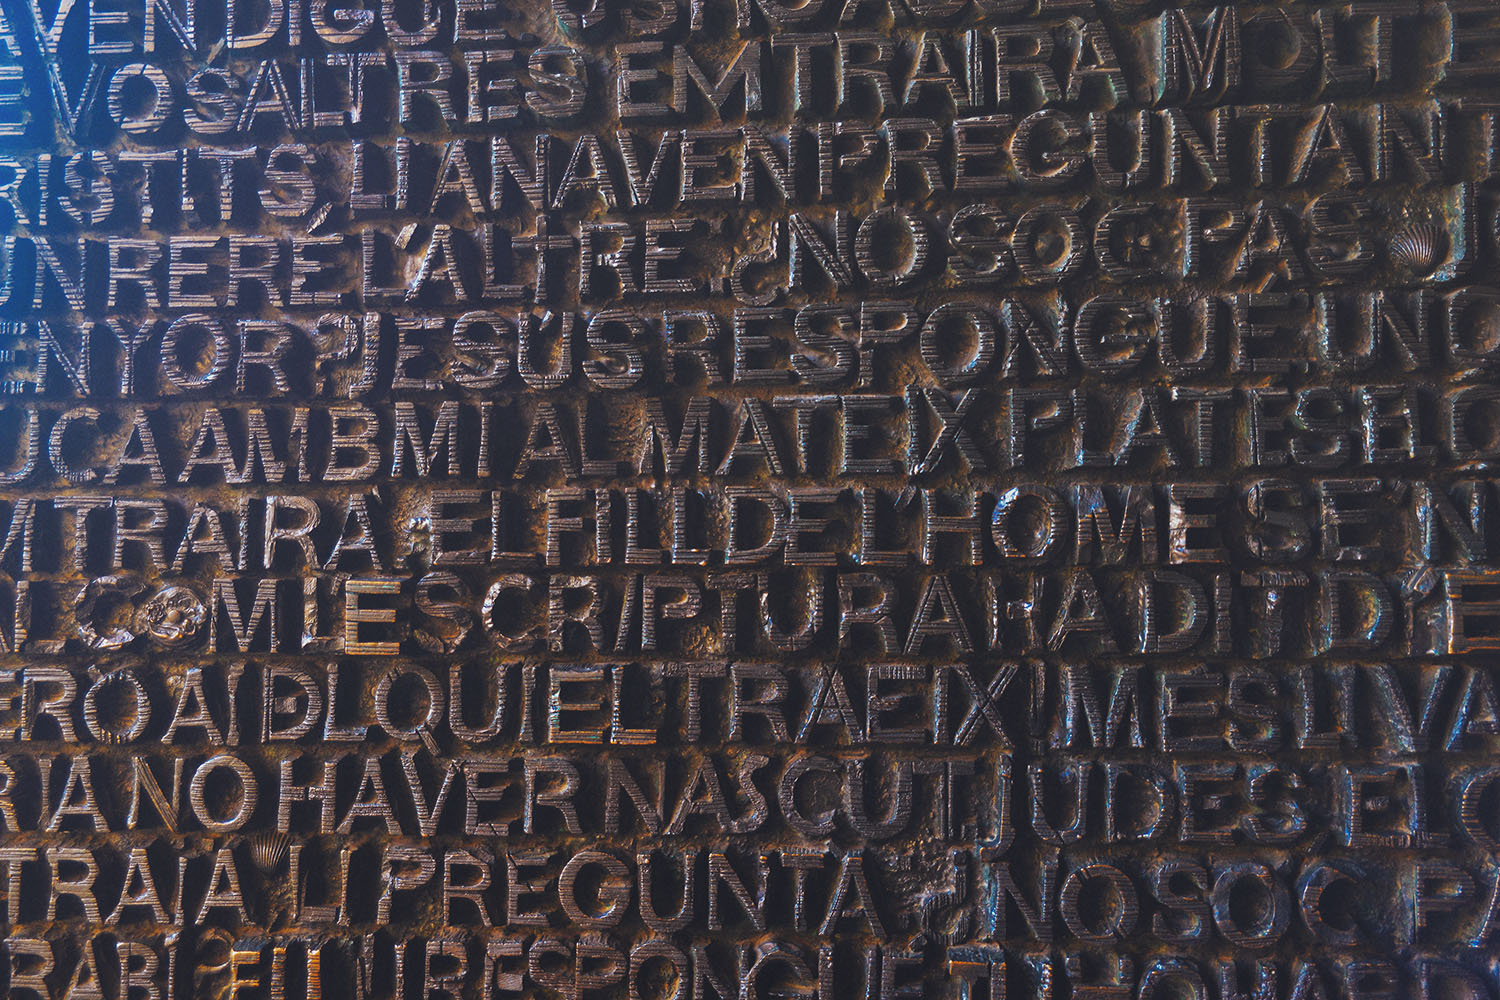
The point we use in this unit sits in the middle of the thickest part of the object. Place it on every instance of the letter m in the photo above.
(444, 437)
(243, 626)
(1199, 60)
(675, 450)
(746, 67)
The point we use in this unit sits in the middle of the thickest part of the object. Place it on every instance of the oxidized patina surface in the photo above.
(742, 499)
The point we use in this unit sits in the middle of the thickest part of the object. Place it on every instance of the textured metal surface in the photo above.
(846, 499)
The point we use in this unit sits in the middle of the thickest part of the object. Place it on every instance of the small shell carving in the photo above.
(1419, 248)
(268, 851)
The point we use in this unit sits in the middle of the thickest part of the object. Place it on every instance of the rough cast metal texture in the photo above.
(845, 499)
